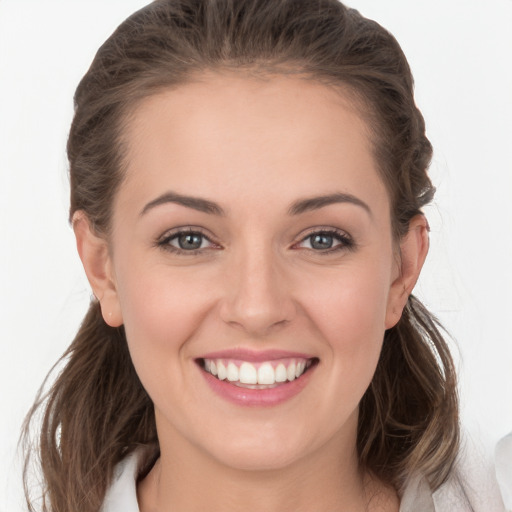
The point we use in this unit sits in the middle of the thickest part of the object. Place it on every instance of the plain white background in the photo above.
(460, 53)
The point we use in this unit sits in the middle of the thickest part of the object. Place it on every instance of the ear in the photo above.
(413, 251)
(96, 259)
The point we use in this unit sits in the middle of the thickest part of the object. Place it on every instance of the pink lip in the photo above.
(254, 356)
(256, 397)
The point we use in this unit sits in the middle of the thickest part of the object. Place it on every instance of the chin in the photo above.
(260, 458)
(258, 450)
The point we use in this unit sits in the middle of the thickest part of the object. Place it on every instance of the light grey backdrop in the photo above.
(460, 53)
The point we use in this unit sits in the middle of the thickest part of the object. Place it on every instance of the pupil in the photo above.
(321, 242)
(190, 241)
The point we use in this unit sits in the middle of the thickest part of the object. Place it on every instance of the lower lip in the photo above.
(258, 397)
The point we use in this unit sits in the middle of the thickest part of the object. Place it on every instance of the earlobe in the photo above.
(413, 251)
(97, 263)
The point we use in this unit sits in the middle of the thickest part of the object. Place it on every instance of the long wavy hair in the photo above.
(97, 412)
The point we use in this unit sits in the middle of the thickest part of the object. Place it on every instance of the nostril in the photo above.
(257, 320)
(257, 301)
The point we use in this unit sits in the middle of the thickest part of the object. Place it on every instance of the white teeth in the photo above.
(291, 371)
(266, 374)
(232, 373)
(248, 374)
(221, 370)
(301, 366)
(281, 374)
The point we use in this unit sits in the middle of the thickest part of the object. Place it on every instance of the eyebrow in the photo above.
(196, 203)
(298, 207)
(315, 203)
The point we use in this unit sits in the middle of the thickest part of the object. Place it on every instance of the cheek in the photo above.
(161, 311)
(350, 313)
(352, 305)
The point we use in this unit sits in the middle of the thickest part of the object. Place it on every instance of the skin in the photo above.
(254, 147)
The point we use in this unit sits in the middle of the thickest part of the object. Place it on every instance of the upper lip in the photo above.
(255, 356)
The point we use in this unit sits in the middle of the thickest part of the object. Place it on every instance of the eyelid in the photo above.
(345, 239)
(346, 242)
(163, 240)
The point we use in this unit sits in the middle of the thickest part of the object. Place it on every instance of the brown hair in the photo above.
(97, 411)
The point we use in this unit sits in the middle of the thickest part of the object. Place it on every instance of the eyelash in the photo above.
(165, 241)
(345, 241)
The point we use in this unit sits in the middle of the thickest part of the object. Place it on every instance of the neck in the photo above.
(185, 479)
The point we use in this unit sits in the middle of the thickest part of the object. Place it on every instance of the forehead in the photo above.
(281, 134)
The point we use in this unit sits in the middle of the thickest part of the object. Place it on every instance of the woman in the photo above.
(247, 179)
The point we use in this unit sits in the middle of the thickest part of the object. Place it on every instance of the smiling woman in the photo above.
(247, 179)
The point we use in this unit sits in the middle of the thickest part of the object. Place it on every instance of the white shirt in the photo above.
(471, 489)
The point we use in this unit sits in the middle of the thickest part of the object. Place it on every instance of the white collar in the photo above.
(463, 492)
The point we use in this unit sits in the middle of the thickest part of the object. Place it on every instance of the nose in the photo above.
(257, 296)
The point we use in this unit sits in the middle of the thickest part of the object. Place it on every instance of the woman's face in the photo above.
(252, 240)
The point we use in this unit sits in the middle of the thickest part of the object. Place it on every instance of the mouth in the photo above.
(259, 375)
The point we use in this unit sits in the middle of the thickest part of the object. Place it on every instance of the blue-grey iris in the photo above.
(321, 241)
(190, 241)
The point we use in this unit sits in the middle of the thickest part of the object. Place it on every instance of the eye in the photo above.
(185, 241)
(188, 241)
(326, 241)
(321, 241)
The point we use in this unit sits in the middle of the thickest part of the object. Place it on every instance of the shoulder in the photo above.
(122, 494)
(471, 487)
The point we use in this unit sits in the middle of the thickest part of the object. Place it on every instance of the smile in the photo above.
(257, 375)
